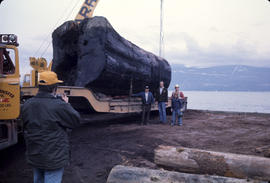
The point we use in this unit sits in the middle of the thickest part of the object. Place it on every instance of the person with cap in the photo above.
(177, 101)
(162, 98)
(46, 119)
(147, 101)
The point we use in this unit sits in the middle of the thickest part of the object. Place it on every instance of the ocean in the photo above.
(258, 102)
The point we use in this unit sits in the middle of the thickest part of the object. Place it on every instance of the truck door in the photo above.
(9, 82)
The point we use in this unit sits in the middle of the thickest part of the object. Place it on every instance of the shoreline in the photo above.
(228, 112)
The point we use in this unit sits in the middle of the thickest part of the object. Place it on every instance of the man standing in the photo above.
(147, 100)
(46, 119)
(162, 98)
(177, 102)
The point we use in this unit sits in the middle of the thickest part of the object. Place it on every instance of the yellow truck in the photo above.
(9, 90)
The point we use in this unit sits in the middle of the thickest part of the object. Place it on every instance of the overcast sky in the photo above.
(198, 33)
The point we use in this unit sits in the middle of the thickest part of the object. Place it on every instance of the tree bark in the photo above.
(124, 174)
(213, 163)
(265, 150)
(93, 55)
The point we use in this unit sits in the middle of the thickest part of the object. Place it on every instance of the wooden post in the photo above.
(213, 163)
(124, 174)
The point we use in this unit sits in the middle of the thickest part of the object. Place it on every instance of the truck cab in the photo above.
(9, 89)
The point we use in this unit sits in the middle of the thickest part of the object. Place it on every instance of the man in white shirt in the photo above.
(162, 98)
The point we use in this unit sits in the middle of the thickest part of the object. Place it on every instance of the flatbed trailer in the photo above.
(84, 99)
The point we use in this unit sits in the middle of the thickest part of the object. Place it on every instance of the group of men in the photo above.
(47, 119)
(162, 98)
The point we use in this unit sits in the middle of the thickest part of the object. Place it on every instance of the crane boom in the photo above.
(86, 10)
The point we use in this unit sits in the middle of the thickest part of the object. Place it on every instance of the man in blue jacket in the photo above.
(177, 104)
(46, 119)
(147, 100)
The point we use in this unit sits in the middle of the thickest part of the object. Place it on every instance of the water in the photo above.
(229, 101)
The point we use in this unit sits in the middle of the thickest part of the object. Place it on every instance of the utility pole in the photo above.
(161, 35)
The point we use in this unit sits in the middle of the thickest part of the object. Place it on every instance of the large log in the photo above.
(124, 174)
(265, 150)
(92, 54)
(213, 163)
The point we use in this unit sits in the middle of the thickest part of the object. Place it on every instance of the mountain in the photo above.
(221, 78)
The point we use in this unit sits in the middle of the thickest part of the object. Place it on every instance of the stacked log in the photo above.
(124, 174)
(93, 55)
(213, 163)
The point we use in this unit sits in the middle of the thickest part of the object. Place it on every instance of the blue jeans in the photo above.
(162, 111)
(48, 176)
(176, 113)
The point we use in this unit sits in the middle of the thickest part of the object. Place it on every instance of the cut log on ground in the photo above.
(124, 174)
(93, 55)
(213, 163)
(265, 150)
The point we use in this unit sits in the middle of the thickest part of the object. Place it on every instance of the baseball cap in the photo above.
(48, 78)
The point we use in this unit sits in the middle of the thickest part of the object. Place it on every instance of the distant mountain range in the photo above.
(221, 78)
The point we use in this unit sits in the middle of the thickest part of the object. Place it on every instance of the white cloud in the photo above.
(197, 33)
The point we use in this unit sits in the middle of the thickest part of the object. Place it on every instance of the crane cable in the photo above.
(69, 14)
(47, 37)
(61, 17)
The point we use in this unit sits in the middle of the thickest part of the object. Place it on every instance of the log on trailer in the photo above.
(213, 163)
(93, 55)
(124, 174)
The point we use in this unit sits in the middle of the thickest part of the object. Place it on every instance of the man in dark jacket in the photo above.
(46, 119)
(162, 98)
(147, 100)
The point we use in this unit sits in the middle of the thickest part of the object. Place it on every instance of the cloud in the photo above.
(193, 54)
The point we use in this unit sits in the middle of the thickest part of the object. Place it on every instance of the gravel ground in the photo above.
(98, 145)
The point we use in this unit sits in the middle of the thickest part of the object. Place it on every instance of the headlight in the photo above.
(13, 38)
(9, 39)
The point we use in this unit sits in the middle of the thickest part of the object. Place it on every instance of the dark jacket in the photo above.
(177, 103)
(150, 100)
(46, 120)
(163, 97)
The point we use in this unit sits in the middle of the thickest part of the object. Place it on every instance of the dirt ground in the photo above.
(98, 146)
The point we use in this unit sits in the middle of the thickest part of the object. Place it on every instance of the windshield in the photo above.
(7, 61)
